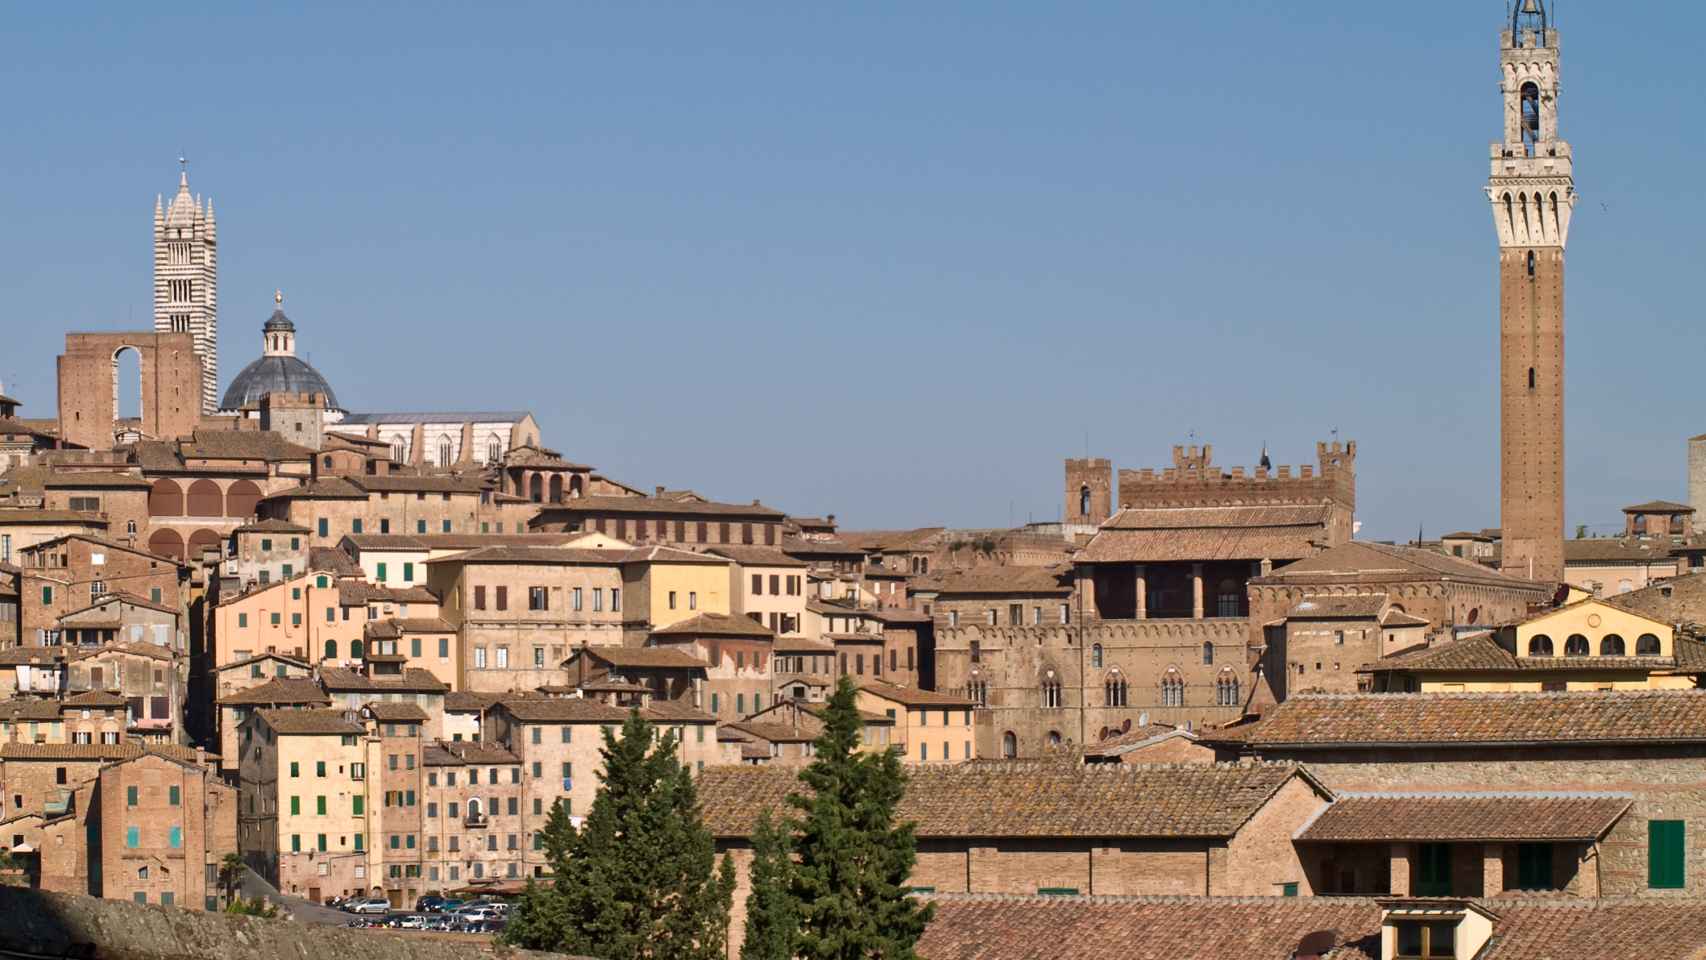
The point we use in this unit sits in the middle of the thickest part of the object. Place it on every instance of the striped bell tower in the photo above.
(186, 278)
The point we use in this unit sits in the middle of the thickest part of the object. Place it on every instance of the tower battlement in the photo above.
(1195, 481)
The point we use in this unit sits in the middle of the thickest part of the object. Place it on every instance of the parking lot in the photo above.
(431, 914)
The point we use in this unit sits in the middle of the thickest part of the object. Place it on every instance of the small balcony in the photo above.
(475, 820)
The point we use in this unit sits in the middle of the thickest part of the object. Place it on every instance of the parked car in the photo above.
(451, 905)
(373, 905)
(428, 904)
(439, 922)
(412, 921)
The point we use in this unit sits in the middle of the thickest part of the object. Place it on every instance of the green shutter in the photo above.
(381, 576)
(1666, 855)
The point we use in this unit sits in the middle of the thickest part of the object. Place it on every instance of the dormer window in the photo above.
(1426, 941)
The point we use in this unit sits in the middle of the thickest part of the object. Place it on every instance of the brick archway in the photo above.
(166, 543)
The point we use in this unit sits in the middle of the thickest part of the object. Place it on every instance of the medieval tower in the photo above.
(1532, 190)
(186, 280)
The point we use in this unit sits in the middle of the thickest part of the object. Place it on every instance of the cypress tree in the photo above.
(639, 881)
(772, 913)
(853, 861)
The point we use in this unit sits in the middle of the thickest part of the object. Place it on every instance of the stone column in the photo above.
(1492, 869)
(1196, 591)
(1141, 585)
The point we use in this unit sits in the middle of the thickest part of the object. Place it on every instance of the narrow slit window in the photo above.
(1531, 378)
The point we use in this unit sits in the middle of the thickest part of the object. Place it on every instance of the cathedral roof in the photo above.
(275, 375)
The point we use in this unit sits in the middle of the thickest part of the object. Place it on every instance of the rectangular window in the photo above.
(616, 599)
(758, 584)
(380, 576)
(133, 837)
(324, 531)
(503, 658)
(577, 598)
(408, 573)
(175, 838)
(479, 598)
(319, 768)
(295, 806)
(355, 525)
(538, 598)
(444, 648)
(1534, 866)
(671, 600)
(503, 598)
(1666, 855)
(420, 526)
(358, 804)
(692, 599)
(320, 805)
(173, 795)
(242, 621)
(130, 796)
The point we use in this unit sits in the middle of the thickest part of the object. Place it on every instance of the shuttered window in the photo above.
(1666, 855)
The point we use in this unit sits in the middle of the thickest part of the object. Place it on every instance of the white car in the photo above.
(415, 922)
(370, 905)
(478, 912)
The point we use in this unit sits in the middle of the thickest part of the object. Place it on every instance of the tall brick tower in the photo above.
(1532, 190)
(186, 279)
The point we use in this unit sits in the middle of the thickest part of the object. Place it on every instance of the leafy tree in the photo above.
(230, 874)
(640, 879)
(772, 913)
(255, 907)
(853, 861)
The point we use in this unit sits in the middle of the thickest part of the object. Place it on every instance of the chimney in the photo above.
(660, 490)
(201, 756)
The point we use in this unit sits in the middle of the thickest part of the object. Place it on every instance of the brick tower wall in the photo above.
(1531, 387)
(171, 386)
(1096, 476)
(1697, 481)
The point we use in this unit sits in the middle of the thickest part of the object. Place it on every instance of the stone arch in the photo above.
(201, 540)
(1540, 645)
(135, 352)
(536, 488)
(494, 449)
(1611, 645)
(165, 499)
(556, 488)
(204, 499)
(576, 486)
(167, 543)
(241, 499)
(1647, 645)
(1009, 745)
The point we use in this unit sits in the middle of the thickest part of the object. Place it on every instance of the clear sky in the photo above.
(889, 261)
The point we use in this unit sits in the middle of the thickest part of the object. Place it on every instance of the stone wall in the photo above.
(171, 386)
(54, 924)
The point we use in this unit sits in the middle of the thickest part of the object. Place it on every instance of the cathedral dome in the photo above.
(278, 370)
(278, 374)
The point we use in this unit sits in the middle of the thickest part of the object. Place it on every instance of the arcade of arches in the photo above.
(214, 501)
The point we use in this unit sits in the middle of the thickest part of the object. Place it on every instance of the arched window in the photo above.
(1172, 689)
(1226, 691)
(494, 450)
(165, 499)
(1052, 699)
(1009, 745)
(1096, 655)
(1646, 645)
(556, 488)
(355, 649)
(575, 485)
(1114, 691)
(1084, 501)
(1530, 116)
(1540, 645)
(1054, 739)
(397, 449)
(444, 452)
(1611, 646)
(204, 500)
(331, 649)
(1576, 646)
(536, 489)
(473, 808)
(1208, 652)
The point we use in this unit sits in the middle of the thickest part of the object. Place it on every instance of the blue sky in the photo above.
(890, 261)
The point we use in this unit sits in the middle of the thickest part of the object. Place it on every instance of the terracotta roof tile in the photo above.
(1324, 607)
(994, 927)
(360, 593)
(914, 697)
(464, 700)
(91, 479)
(1030, 799)
(562, 710)
(272, 525)
(413, 680)
(93, 751)
(716, 625)
(1209, 533)
(310, 722)
(29, 708)
(278, 690)
(392, 711)
(1005, 580)
(641, 657)
(1415, 719)
(1545, 929)
(1363, 562)
(1465, 817)
(755, 556)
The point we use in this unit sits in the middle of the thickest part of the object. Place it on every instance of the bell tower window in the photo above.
(1530, 117)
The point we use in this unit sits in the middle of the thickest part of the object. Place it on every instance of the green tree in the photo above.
(853, 861)
(772, 913)
(640, 879)
(230, 874)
